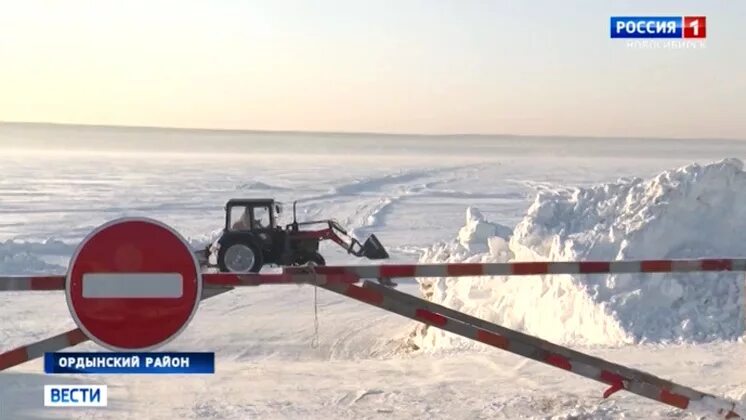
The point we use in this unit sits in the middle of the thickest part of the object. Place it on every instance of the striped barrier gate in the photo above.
(343, 280)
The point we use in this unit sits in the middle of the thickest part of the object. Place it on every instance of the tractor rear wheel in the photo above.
(239, 257)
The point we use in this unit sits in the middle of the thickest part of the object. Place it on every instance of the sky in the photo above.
(538, 67)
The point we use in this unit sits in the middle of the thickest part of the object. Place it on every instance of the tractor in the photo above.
(253, 238)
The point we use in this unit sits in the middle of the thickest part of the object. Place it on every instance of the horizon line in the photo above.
(350, 133)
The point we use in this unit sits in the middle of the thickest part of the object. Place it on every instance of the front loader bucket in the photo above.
(373, 250)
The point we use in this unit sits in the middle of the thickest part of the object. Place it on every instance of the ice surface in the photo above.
(410, 192)
(695, 211)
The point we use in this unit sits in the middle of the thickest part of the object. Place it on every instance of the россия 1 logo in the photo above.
(688, 27)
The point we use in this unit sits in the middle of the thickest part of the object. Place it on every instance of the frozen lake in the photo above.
(58, 183)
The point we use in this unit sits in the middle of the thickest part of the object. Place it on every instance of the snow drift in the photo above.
(696, 211)
(18, 257)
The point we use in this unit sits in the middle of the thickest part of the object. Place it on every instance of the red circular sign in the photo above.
(133, 284)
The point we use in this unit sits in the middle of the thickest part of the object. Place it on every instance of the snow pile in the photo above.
(17, 257)
(692, 212)
(476, 234)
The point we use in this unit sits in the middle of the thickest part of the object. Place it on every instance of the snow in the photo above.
(258, 185)
(19, 256)
(478, 233)
(412, 193)
(695, 211)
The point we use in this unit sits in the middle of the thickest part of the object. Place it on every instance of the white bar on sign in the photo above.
(132, 285)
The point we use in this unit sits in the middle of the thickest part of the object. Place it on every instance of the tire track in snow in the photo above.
(376, 188)
(368, 215)
(376, 184)
(376, 213)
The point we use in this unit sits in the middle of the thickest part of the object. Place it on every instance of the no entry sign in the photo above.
(133, 284)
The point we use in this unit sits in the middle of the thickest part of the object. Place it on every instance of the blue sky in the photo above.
(538, 67)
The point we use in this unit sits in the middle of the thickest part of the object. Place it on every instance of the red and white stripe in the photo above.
(32, 351)
(294, 275)
(537, 268)
(14, 283)
(618, 377)
(346, 274)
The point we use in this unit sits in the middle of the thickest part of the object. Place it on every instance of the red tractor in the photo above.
(252, 238)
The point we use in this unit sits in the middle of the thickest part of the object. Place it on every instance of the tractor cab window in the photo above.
(261, 218)
(250, 217)
(240, 218)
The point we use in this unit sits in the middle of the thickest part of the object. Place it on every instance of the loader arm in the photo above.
(371, 249)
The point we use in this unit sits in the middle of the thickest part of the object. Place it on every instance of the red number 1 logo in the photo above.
(695, 27)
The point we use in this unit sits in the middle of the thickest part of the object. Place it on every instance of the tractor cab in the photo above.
(251, 215)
